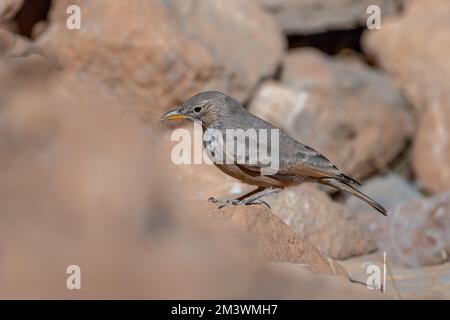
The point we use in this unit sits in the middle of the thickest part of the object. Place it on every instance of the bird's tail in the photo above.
(344, 186)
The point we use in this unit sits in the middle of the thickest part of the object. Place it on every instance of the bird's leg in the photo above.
(251, 193)
(222, 203)
(253, 197)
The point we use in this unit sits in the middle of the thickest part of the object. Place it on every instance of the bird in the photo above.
(297, 163)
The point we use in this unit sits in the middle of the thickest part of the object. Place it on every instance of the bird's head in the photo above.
(206, 108)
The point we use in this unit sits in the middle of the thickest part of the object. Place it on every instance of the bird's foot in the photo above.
(229, 203)
(213, 200)
(221, 203)
(252, 202)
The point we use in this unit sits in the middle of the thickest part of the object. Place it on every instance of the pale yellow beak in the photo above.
(174, 114)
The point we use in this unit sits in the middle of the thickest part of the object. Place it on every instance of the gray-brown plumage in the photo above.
(298, 163)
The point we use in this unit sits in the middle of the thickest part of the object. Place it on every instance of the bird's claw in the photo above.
(260, 202)
(222, 203)
(213, 200)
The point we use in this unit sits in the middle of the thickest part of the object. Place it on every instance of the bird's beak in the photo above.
(174, 114)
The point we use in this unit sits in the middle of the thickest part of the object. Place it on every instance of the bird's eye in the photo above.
(197, 109)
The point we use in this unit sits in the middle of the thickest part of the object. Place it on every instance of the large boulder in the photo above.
(303, 17)
(244, 41)
(419, 64)
(414, 59)
(431, 150)
(162, 52)
(345, 110)
(330, 226)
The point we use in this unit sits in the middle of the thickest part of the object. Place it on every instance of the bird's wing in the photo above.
(308, 163)
(297, 160)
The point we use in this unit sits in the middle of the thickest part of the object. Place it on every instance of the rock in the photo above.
(402, 282)
(155, 56)
(416, 233)
(148, 58)
(414, 59)
(22, 74)
(330, 226)
(242, 38)
(431, 149)
(13, 45)
(39, 28)
(390, 190)
(417, 63)
(271, 237)
(305, 285)
(274, 102)
(304, 17)
(9, 8)
(348, 112)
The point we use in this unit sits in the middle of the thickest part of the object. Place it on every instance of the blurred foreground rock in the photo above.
(197, 181)
(330, 226)
(166, 53)
(419, 64)
(304, 17)
(348, 112)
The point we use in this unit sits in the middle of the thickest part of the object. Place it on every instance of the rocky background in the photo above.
(85, 170)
